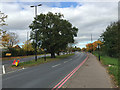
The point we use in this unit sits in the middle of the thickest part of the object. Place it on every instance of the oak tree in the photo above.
(53, 32)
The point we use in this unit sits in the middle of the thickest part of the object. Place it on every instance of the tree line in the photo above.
(109, 41)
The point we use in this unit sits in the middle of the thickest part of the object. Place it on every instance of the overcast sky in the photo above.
(88, 17)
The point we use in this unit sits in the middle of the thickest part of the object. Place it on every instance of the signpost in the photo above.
(98, 51)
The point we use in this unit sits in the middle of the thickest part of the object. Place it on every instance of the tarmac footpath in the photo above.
(91, 75)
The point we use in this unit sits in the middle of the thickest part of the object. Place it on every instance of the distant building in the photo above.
(16, 46)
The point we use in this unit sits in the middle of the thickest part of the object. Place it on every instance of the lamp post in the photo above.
(99, 51)
(36, 30)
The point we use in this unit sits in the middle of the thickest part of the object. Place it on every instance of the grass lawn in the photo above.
(41, 61)
(112, 66)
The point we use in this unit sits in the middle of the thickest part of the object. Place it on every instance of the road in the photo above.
(43, 76)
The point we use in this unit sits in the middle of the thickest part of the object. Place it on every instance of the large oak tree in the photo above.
(53, 32)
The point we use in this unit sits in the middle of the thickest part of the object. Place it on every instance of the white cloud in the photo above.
(90, 18)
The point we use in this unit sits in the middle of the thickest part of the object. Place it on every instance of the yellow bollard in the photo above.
(16, 64)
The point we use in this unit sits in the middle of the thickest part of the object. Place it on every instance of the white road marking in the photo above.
(65, 61)
(10, 72)
(68, 61)
(15, 70)
(56, 65)
(3, 69)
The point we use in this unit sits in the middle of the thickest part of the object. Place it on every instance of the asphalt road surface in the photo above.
(43, 76)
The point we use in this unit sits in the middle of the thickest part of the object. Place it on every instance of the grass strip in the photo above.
(41, 61)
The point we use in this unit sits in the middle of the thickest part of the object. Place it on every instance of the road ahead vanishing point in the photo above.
(46, 75)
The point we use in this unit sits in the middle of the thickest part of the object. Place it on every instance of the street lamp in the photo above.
(36, 8)
(36, 30)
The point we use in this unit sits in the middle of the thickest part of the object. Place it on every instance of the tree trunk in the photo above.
(58, 53)
(52, 55)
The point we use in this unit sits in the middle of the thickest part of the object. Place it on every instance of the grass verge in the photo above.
(112, 67)
(41, 61)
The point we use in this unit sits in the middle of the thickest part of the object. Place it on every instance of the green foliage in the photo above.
(53, 32)
(109, 61)
(113, 70)
(83, 49)
(27, 46)
(110, 39)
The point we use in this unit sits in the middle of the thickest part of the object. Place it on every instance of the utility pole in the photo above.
(27, 43)
(36, 31)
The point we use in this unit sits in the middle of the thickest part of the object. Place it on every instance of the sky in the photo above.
(88, 17)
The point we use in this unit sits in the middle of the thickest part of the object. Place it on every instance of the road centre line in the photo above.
(65, 61)
(68, 61)
(56, 65)
(15, 70)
